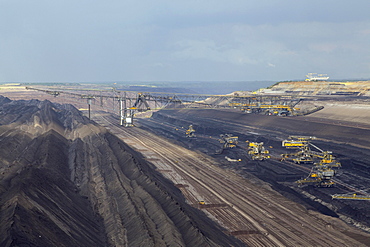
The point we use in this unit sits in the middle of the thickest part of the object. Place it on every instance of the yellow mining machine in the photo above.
(304, 154)
(351, 196)
(228, 140)
(297, 141)
(322, 171)
(328, 159)
(257, 151)
(248, 108)
(279, 110)
(268, 105)
(320, 175)
(190, 132)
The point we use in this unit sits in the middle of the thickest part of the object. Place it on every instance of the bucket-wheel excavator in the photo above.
(324, 162)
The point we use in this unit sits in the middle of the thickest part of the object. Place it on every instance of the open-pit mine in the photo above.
(282, 166)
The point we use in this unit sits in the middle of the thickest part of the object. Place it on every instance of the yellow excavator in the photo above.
(257, 151)
(228, 140)
(305, 154)
(297, 141)
(190, 132)
(322, 171)
(321, 176)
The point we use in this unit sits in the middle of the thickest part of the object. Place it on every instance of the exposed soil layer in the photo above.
(350, 144)
(65, 181)
(326, 88)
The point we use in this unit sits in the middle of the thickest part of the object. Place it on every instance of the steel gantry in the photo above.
(131, 102)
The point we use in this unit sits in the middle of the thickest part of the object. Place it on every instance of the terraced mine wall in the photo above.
(65, 181)
(350, 88)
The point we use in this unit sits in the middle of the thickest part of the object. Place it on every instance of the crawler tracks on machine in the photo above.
(250, 211)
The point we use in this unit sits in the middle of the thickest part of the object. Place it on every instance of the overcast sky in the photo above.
(163, 40)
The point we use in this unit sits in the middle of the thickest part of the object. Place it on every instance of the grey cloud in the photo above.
(182, 40)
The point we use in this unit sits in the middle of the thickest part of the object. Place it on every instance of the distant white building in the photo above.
(316, 77)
